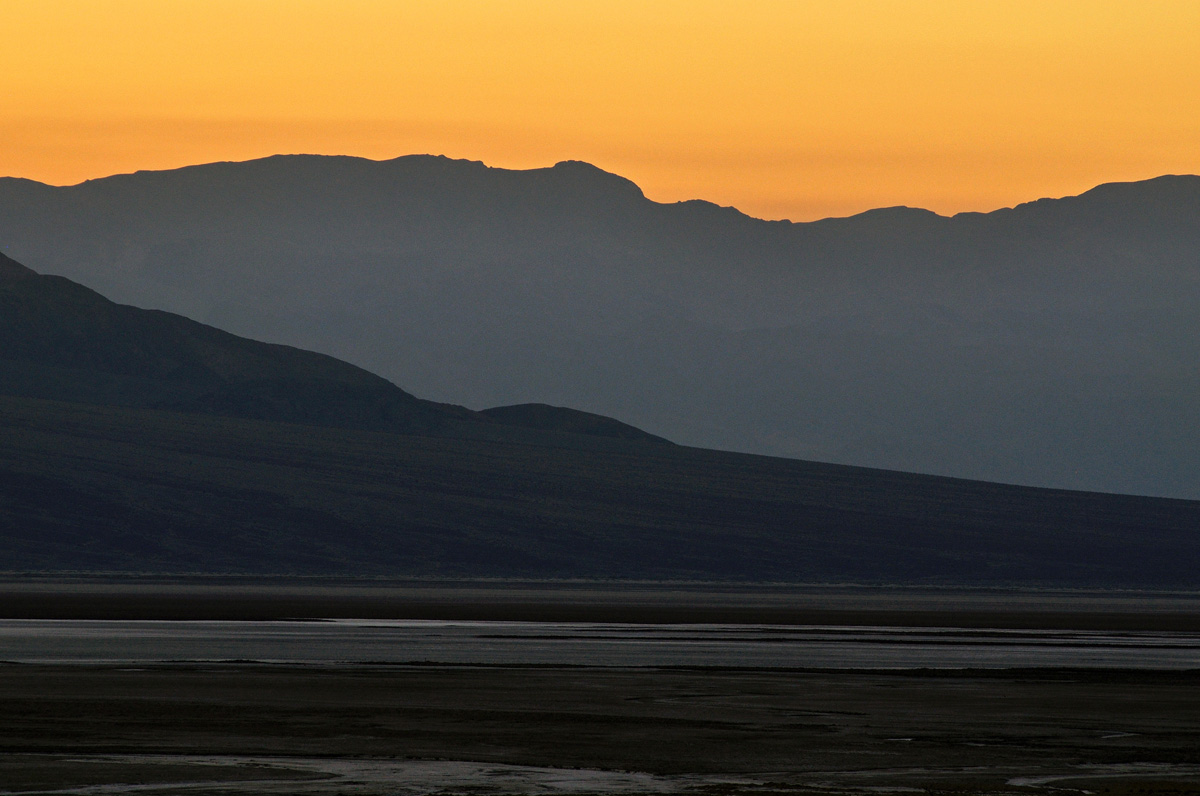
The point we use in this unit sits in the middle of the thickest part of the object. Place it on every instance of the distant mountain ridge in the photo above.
(1050, 344)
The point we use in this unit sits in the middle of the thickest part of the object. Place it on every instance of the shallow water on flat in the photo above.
(588, 644)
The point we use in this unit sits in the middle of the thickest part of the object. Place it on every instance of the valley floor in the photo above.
(254, 728)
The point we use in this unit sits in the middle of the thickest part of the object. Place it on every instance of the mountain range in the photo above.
(61, 341)
(138, 441)
(1049, 344)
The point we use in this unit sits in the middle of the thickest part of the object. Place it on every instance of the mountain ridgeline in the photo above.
(61, 341)
(1049, 344)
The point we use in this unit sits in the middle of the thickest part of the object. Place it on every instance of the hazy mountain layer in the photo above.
(1053, 343)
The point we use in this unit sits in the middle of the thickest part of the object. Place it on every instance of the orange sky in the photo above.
(783, 109)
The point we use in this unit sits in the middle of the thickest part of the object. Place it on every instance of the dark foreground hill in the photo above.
(62, 341)
(1051, 344)
(136, 490)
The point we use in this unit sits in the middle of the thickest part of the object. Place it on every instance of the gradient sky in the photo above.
(784, 109)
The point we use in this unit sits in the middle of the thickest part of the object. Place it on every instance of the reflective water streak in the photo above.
(766, 646)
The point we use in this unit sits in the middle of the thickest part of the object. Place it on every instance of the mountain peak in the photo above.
(581, 173)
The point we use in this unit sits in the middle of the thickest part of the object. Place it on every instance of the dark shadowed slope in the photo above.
(135, 490)
(1052, 343)
(62, 341)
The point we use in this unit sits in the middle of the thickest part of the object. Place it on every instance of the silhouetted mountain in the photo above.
(558, 418)
(134, 490)
(1052, 343)
(62, 341)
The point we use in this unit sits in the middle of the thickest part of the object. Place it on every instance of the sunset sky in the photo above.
(784, 109)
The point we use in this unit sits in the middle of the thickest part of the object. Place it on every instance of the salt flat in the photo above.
(592, 644)
(226, 728)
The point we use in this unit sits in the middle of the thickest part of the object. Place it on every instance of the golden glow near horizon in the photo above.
(784, 109)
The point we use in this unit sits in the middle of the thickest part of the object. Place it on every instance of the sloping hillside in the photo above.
(136, 490)
(62, 341)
